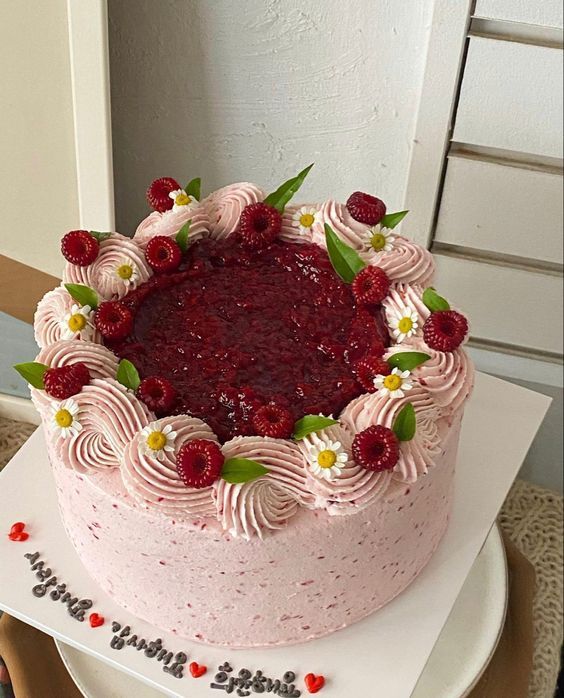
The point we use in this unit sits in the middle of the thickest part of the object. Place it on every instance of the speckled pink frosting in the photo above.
(284, 558)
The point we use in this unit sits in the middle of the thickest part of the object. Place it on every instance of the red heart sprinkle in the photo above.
(18, 537)
(17, 527)
(314, 683)
(96, 620)
(197, 670)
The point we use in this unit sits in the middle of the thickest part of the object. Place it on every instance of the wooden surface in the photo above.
(21, 287)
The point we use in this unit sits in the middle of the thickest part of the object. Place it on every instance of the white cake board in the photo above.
(382, 656)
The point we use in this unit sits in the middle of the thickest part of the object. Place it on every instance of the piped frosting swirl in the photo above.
(225, 205)
(170, 222)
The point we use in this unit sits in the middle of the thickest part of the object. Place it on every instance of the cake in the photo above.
(252, 410)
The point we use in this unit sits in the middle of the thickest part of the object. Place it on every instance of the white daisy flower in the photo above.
(127, 271)
(395, 384)
(77, 322)
(380, 239)
(326, 458)
(156, 441)
(404, 323)
(304, 218)
(65, 418)
(181, 199)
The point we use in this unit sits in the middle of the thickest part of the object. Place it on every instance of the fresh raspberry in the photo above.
(259, 225)
(273, 420)
(163, 254)
(114, 320)
(158, 193)
(376, 448)
(79, 247)
(365, 208)
(199, 463)
(370, 286)
(67, 380)
(367, 369)
(157, 393)
(445, 330)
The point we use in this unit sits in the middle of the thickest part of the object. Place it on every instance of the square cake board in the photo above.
(379, 657)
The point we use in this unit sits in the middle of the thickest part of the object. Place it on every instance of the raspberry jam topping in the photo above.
(234, 330)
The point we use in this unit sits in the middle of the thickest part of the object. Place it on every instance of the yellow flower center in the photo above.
(156, 440)
(63, 418)
(307, 220)
(125, 271)
(378, 241)
(327, 458)
(77, 322)
(405, 325)
(393, 382)
(182, 199)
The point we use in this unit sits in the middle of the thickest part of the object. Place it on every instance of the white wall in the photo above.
(257, 89)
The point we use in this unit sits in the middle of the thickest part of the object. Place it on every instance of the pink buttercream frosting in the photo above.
(155, 482)
(225, 205)
(102, 274)
(48, 322)
(170, 222)
(291, 232)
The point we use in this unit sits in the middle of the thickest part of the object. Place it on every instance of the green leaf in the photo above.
(194, 188)
(99, 236)
(286, 191)
(240, 470)
(311, 423)
(433, 301)
(405, 424)
(128, 375)
(408, 360)
(182, 236)
(83, 295)
(33, 373)
(344, 259)
(390, 220)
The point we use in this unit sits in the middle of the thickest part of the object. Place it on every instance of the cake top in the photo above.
(241, 356)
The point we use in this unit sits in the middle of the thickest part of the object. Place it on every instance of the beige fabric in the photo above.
(531, 516)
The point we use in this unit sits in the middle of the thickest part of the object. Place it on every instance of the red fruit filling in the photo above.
(157, 393)
(114, 320)
(370, 286)
(233, 332)
(61, 383)
(366, 208)
(163, 254)
(158, 193)
(376, 448)
(79, 247)
(199, 463)
(259, 225)
(445, 330)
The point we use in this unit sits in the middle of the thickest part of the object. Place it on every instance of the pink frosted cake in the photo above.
(252, 410)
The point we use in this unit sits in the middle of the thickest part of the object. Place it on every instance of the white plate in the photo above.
(459, 658)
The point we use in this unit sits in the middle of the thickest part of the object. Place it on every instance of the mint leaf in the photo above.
(33, 373)
(239, 470)
(182, 236)
(433, 301)
(405, 424)
(408, 360)
(344, 259)
(286, 191)
(99, 236)
(128, 375)
(311, 423)
(194, 188)
(390, 220)
(83, 295)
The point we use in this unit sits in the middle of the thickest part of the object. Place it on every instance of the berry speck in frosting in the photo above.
(370, 286)
(80, 248)
(365, 208)
(158, 193)
(157, 393)
(259, 225)
(199, 463)
(163, 254)
(368, 369)
(274, 421)
(376, 448)
(445, 330)
(65, 381)
(114, 320)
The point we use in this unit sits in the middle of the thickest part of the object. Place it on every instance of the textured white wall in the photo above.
(257, 89)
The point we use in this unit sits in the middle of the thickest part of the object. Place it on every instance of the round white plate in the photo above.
(459, 658)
